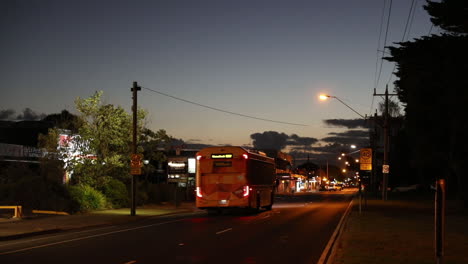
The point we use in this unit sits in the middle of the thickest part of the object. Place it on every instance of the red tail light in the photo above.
(246, 190)
(199, 194)
(245, 156)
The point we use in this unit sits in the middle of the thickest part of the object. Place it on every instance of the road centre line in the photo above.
(223, 231)
(86, 237)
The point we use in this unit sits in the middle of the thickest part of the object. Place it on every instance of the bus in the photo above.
(228, 177)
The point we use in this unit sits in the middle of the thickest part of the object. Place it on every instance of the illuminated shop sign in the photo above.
(191, 165)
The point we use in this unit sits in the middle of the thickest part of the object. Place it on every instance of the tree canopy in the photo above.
(433, 85)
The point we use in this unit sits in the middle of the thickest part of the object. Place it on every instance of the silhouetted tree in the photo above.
(433, 84)
(64, 120)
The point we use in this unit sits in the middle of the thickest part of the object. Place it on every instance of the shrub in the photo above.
(87, 198)
(116, 193)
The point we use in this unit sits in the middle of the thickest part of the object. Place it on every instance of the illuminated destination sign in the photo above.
(221, 156)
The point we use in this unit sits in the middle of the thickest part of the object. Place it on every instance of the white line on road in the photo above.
(49, 237)
(86, 237)
(223, 231)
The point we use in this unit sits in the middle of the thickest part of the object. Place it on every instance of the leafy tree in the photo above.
(106, 135)
(394, 109)
(64, 120)
(432, 83)
(450, 15)
(153, 144)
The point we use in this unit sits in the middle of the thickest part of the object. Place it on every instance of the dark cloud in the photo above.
(331, 148)
(278, 141)
(295, 140)
(269, 140)
(301, 143)
(7, 114)
(30, 115)
(356, 137)
(348, 123)
(351, 133)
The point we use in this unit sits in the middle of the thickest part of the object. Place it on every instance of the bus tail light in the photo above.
(199, 194)
(245, 156)
(246, 190)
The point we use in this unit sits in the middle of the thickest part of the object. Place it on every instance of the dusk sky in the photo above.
(268, 59)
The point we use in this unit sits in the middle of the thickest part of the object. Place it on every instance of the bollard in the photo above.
(440, 220)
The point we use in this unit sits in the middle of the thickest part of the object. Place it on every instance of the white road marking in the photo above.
(86, 237)
(223, 231)
(48, 237)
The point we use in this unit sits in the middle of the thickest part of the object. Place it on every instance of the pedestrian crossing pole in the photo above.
(134, 90)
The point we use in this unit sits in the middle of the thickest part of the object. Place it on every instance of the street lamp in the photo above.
(324, 97)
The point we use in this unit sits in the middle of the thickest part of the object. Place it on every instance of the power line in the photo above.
(221, 110)
(385, 41)
(406, 32)
(378, 44)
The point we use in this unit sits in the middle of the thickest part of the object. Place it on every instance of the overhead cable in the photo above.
(221, 110)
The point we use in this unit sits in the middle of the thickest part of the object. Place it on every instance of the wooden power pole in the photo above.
(135, 157)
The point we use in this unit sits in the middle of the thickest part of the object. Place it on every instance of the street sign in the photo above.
(365, 159)
(136, 164)
(366, 156)
(386, 169)
(366, 167)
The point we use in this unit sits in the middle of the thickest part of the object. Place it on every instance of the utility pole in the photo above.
(386, 166)
(134, 90)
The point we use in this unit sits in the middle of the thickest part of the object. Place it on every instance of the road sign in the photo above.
(365, 159)
(366, 167)
(136, 164)
(366, 156)
(386, 169)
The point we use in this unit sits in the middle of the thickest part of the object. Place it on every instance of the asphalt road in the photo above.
(295, 231)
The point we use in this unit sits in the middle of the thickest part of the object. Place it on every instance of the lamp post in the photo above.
(324, 97)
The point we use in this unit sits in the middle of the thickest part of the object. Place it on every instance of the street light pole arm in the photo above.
(347, 106)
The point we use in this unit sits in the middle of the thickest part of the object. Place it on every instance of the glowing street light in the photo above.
(324, 97)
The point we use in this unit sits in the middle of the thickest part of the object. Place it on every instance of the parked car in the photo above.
(334, 187)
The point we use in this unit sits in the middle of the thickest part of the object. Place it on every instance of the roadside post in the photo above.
(360, 195)
(440, 220)
(135, 158)
(365, 165)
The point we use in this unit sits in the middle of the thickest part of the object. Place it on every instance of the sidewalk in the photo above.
(40, 224)
(400, 231)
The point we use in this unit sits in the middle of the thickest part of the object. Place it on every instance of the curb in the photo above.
(328, 254)
(28, 234)
(58, 230)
